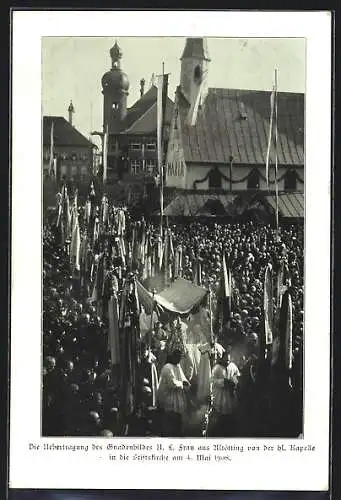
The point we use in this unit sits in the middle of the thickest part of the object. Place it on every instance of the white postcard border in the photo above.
(247, 470)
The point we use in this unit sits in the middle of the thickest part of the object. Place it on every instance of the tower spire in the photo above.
(116, 55)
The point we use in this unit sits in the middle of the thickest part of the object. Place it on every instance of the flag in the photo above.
(199, 272)
(66, 213)
(162, 91)
(281, 284)
(104, 210)
(164, 105)
(87, 211)
(193, 110)
(166, 258)
(268, 305)
(226, 281)
(285, 332)
(75, 245)
(52, 163)
(105, 154)
(226, 291)
(272, 106)
(113, 331)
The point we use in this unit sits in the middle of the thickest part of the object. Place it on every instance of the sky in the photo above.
(72, 68)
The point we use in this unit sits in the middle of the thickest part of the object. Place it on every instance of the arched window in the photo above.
(214, 179)
(197, 74)
(253, 180)
(290, 181)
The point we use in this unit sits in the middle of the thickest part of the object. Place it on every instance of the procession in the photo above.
(181, 315)
(119, 357)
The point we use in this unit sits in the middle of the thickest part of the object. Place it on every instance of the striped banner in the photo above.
(268, 305)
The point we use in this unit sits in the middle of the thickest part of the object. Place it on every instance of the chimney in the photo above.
(71, 110)
(142, 83)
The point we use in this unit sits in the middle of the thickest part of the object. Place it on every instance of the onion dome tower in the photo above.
(115, 86)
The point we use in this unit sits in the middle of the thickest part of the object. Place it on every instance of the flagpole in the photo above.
(276, 153)
(161, 161)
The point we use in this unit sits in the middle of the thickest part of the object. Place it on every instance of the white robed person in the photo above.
(172, 396)
(207, 351)
(225, 376)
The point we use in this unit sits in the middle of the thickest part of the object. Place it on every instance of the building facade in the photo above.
(220, 150)
(74, 155)
(132, 132)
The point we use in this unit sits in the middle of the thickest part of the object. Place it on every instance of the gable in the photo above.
(142, 116)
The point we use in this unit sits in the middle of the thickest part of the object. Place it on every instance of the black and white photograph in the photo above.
(173, 179)
(170, 252)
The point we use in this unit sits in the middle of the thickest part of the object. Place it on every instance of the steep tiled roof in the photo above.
(236, 123)
(141, 117)
(64, 134)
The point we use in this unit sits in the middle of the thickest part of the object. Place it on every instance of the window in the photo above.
(46, 154)
(84, 173)
(290, 181)
(64, 156)
(115, 106)
(197, 74)
(135, 146)
(253, 180)
(74, 171)
(150, 167)
(73, 156)
(151, 146)
(135, 166)
(63, 170)
(214, 179)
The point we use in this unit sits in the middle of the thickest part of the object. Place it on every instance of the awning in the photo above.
(290, 205)
(191, 204)
(181, 297)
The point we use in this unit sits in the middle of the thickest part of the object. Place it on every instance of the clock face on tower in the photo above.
(197, 74)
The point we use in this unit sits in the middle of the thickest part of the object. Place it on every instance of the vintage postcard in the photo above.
(170, 319)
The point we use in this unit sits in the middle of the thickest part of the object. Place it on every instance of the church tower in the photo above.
(194, 69)
(115, 86)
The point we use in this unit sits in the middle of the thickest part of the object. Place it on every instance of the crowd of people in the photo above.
(198, 374)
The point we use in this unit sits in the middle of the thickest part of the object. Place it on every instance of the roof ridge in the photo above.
(227, 90)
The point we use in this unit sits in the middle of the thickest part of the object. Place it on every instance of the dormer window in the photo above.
(197, 74)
